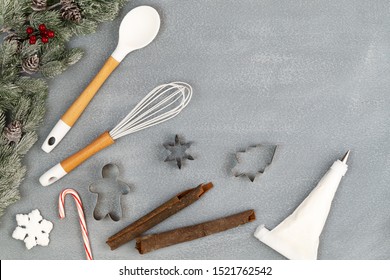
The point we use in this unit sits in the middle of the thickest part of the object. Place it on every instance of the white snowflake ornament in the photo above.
(32, 229)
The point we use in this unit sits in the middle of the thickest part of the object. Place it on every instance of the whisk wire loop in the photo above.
(161, 104)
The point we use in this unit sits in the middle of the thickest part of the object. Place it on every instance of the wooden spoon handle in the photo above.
(77, 108)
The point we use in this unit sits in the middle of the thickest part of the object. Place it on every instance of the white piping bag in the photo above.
(297, 237)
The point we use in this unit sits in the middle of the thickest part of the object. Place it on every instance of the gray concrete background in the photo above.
(310, 76)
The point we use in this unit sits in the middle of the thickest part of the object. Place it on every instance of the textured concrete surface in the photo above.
(310, 76)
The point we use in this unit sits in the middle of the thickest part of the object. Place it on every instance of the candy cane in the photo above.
(83, 224)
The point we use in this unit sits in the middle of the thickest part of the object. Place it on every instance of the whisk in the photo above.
(161, 104)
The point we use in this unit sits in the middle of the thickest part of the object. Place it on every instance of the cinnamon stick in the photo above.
(158, 215)
(148, 243)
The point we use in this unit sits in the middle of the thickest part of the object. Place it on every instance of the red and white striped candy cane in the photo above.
(83, 224)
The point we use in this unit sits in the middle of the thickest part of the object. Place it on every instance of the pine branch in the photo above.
(23, 96)
(12, 14)
(8, 61)
(26, 143)
(72, 56)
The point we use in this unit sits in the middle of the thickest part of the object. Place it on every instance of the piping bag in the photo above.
(297, 237)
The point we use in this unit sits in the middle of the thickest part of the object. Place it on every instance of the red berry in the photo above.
(33, 37)
(45, 39)
(32, 42)
(42, 27)
(50, 33)
(44, 33)
(29, 30)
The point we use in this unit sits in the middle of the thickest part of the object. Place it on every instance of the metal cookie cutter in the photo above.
(109, 190)
(178, 151)
(252, 162)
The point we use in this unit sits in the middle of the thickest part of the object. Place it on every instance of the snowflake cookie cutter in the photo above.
(109, 191)
(33, 229)
(262, 154)
(177, 151)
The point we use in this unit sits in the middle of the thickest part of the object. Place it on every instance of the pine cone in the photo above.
(70, 11)
(39, 5)
(13, 132)
(31, 65)
(13, 38)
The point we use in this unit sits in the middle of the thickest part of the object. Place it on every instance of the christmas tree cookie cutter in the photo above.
(253, 161)
(109, 190)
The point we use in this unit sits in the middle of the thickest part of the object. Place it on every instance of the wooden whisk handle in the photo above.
(78, 158)
(67, 165)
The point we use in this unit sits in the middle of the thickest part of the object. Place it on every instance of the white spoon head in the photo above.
(137, 30)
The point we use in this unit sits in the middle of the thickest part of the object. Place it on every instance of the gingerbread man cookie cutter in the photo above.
(109, 191)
